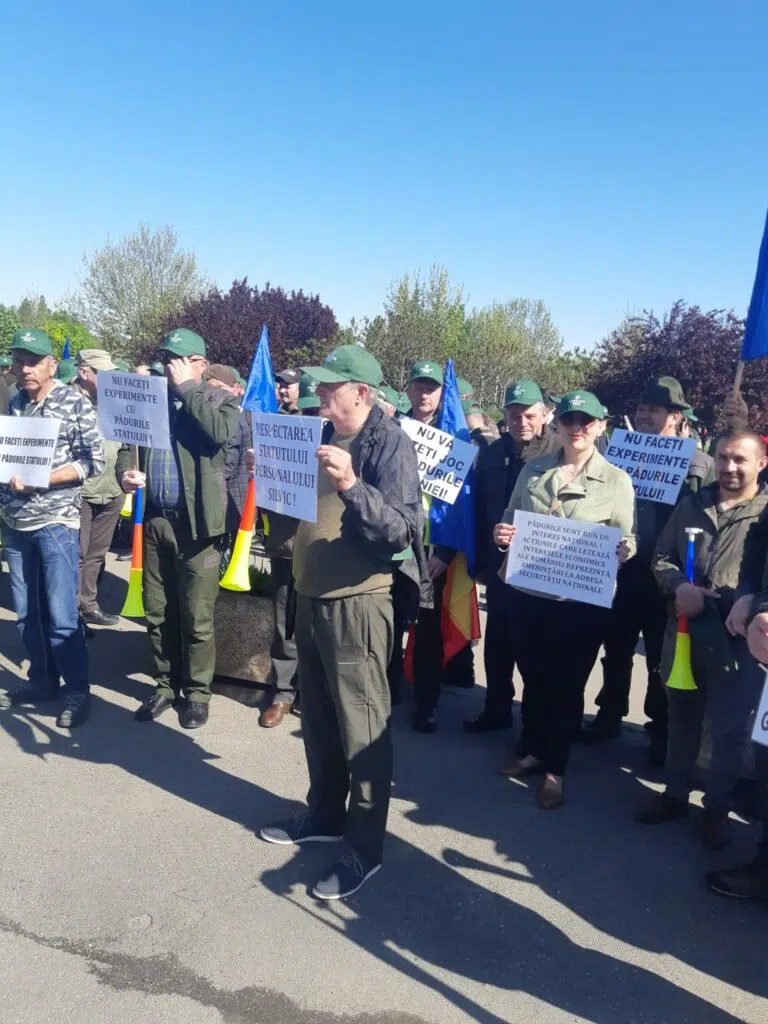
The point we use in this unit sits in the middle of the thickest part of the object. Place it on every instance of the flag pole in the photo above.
(738, 378)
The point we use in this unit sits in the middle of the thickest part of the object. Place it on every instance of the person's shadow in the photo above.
(421, 911)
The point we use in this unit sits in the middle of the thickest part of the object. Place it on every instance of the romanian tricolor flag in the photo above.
(454, 527)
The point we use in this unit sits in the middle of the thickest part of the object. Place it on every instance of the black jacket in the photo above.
(383, 509)
(498, 467)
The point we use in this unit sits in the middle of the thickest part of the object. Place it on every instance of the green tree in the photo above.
(9, 324)
(423, 319)
(131, 288)
(62, 325)
(33, 311)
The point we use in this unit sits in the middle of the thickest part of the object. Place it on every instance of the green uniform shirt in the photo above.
(326, 562)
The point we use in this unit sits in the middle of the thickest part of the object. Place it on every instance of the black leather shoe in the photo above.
(487, 723)
(425, 722)
(153, 708)
(100, 618)
(598, 731)
(193, 714)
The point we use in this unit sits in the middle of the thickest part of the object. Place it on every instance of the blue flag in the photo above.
(260, 390)
(67, 349)
(454, 525)
(755, 342)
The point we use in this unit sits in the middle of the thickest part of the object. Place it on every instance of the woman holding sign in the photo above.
(557, 638)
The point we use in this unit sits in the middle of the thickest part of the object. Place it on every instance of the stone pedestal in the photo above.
(244, 626)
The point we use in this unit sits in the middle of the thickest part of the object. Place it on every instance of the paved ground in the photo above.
(133, 888)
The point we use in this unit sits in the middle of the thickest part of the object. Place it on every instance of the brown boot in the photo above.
(520, 767)
(715, 829)
(275, 713)
(551, 793)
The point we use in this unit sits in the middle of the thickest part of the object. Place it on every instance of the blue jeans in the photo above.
(44, 569)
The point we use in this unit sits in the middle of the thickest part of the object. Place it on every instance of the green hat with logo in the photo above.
(664, 391)
(307, 397)
(426, 370)
(5, 362)
(347, 363)
(582, 401)
(690, 414)
(522, 392)
(388, 394)
(157, 369)
(30, 339)
(66, 370)
(183, 343)
(465, 388)
(403, 403)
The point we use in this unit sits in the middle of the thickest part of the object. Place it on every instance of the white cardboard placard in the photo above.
(444, 460)
(657, 465)
(286, 464)
(27, 448)
(132, 409)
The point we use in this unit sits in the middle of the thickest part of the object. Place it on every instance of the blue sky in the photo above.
(601, 156)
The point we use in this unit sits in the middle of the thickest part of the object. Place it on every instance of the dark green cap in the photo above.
(582, 401)
(388, 394)
(307, 397)
(122, 365)
(665, 391)
(426, 370)
(347, 363)
(403, 403)
(522, 392)
(66, 370)
(5, 362)
(690, 414)
(183, 343)
(30, 339)
(157, 368)
(465, 388)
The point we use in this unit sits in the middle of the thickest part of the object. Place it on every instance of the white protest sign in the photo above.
(27, 448)
(657, 465)
(132, 409)
(286, 465)
(564, 558)
(444, 460)
(760, 730)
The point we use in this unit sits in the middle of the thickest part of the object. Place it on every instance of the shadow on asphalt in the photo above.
(642, 887)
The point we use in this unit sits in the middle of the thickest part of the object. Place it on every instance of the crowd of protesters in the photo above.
(349, 588)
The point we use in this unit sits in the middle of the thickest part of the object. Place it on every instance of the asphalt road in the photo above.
(133, 888)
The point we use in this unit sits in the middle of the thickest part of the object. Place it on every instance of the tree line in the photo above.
(133, 290)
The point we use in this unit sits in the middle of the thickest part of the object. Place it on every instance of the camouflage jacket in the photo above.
(78, 445)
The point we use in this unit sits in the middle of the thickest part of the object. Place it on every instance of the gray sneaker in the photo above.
(74, 711)
(297, 830)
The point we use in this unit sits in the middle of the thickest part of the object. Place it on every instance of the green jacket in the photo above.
(205, 423)
(601, 493)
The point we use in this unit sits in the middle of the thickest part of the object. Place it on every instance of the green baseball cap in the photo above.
(690, 414)
(388, 394)
(522, 392)
(5, 362)
(307, 396)
(67, 370)
(664, 391)
(157, 369)
(425, 370)
(122, 365)
(465, 388)
(183, 343)
(582, 401)
(30, 339)
(403, 403)
(347, 363)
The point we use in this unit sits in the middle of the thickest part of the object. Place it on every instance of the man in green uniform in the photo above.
(638, 607)
(184, 527)
(368, 529)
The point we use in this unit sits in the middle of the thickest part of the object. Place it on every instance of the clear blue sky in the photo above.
(602, 156)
